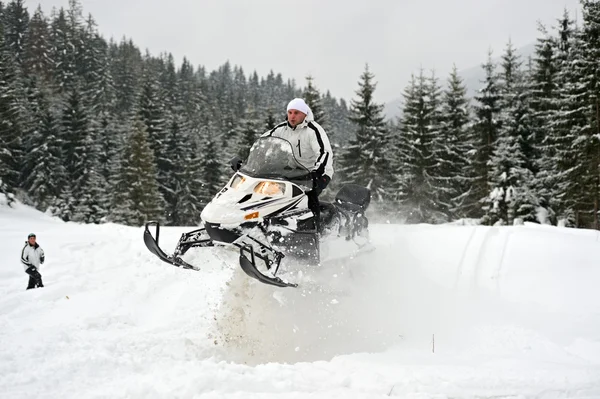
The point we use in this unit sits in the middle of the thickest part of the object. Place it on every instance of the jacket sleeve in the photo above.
(25, 257)
(42, 256)
(321, 146)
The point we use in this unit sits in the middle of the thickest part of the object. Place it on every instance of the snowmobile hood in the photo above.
(242, 202)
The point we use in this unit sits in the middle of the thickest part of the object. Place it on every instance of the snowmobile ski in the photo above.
(249, 267)
(152, 244)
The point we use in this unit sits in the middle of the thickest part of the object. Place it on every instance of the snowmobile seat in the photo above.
(353, 197)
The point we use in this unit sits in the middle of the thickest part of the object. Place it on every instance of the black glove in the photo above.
(235, 164)
(42, 258)
(319, 181)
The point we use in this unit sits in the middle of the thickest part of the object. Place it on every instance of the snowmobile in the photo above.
(263, 212)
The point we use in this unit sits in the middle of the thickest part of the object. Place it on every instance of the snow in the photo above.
(451, 311)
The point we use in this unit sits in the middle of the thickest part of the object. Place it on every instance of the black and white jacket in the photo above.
(32, 255)
(310, 143)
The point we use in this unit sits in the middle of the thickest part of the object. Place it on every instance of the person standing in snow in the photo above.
(311, 148)
(32, 256)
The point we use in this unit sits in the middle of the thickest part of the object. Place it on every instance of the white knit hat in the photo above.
(300, 105)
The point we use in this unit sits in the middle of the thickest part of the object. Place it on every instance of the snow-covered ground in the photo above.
(434, 312)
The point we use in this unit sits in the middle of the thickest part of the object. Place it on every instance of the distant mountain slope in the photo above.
(471, 76)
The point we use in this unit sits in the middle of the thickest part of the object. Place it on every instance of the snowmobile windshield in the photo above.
(273, 157)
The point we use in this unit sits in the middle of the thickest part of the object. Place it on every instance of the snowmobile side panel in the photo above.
(353, 197)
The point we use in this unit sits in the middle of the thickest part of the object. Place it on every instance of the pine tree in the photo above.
(211, 171)
(511, 177)
(571, 138)
(188, 213)
(254, 92)
(169, 83)
(16, 25)
(42, 169)
(108, 139)
(419, 160)
(270, 121)
(37, 61)
(92, 62)
(458, 144)
(93, 205)
(511, 195)
(76, 141)
(558, 155)
(151, 112)
(64, 206)
(126, 72)
(365, 161)
(313, 99)
(515, 104)
(93, 198)
(189, 206)
(5, 170)
(105, 129)
(193, 98)
(101, 96)
(239, 91)
(137, 199)
(339, 126)
(544, 86)
(44, 156)
(177, 159)
(62, 53)
(11, 118)
(250, 131)
(586, 173)
(440, 175)
(78, 35)
(544, 91)
(486, 127)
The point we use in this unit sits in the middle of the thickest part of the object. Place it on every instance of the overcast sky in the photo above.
(329, 39)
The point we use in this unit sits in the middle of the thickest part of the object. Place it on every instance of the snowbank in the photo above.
(434, 312)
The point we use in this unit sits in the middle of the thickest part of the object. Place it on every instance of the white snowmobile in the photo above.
(263, 211)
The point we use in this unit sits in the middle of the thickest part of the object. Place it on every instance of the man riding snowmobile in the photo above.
(265, 209)
(311, 148)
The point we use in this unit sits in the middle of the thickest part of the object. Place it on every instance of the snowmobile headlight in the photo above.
(237, 181)
(270, 188)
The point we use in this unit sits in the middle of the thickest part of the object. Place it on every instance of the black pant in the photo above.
(319, 184)
(35, 278)
(314, 206)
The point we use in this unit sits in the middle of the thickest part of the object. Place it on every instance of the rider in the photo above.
(311, 148)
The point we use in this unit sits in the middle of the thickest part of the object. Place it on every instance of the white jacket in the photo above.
(32, 255)
(310, 144)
